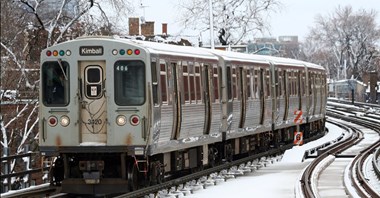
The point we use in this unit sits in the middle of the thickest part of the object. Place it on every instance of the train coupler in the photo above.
(92, 171)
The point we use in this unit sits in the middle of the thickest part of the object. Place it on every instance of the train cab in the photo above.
(93, 99)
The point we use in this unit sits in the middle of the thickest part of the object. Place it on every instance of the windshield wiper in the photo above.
(60, 65)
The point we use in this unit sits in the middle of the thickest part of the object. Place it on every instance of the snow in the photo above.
(9, 94)
(92, 144)
(296, 154)
(12, 193)
(277, 180)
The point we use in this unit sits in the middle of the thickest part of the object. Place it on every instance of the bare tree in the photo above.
(235, 20)
(348, 41)
(27, 27)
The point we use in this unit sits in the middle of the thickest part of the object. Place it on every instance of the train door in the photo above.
(299, 93)
(229, 96)
(311, 93)
(314, 93)
(243, 95)
(176, 99)
(277, 109)
(262, 97)
(320, 93)
(286, 94)
(155, 95)
(93, 120)
(207, 87)
(236, 79)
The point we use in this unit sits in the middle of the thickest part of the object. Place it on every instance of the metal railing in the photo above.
(22, 175)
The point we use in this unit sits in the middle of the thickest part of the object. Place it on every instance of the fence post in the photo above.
(27, 166)
(7, 167)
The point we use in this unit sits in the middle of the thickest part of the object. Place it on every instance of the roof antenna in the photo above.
(142, 18)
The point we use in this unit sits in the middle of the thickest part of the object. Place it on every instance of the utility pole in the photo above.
(211, 26)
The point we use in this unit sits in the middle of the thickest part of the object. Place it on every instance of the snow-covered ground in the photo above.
(277, 180)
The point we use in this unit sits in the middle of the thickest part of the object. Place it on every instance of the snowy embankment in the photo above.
(276, 180)
(297, 153)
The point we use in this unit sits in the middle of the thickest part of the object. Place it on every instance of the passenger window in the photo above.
(215, 82)
(55, 83)
(234, 83)
(248, 81)
(267, 82)
(192, 83)
(303, 84)
(163, 82)
(229, 83)
(186, 89)
(154, 82)
(279, 82)
(198, 84)
(220, 80)
(296, 83)
(256, 93)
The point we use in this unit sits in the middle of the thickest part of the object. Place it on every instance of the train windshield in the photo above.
(55, 83)
(129, 82)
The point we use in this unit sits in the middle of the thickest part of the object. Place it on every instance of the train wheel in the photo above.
(133, 177)
(229, 153)
(212, 156)
(57, 172)
(157, 173)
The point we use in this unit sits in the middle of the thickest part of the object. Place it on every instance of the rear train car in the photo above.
(117, 115)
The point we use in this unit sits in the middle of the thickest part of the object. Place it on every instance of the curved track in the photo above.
(355, 150)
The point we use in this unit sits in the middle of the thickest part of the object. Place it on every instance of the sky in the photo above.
(295, 18)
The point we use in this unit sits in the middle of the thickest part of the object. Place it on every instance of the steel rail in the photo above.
(306, 178)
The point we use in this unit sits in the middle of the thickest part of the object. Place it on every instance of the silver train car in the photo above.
(119, 114)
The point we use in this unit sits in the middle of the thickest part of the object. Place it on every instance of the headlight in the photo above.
(52, 121)
(65, 121)
(121, 120)
(135, 120)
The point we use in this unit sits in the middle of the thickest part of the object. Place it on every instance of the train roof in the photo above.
(201, 53)
(162, 48)
(238, 57)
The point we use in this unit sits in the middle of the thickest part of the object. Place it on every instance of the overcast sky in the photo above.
(295, 18)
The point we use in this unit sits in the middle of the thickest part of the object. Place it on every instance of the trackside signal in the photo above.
(298, 117)
(298, 138)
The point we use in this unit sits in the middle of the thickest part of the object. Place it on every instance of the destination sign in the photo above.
(91, 50)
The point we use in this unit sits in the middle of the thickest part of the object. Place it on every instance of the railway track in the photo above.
(355, 149)
(179, 183)
(34, 192)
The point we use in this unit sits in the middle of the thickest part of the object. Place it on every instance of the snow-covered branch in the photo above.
(19, 65)
(239, 19)
(28, 129)
(348, 38)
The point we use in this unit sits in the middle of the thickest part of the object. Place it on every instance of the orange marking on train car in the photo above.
(58, 141)
(129, 139)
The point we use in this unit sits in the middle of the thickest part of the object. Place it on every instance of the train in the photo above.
(118, 114)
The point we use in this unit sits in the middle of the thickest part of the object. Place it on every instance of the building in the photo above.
(284, 46)
(145, 31)
(348, 89)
